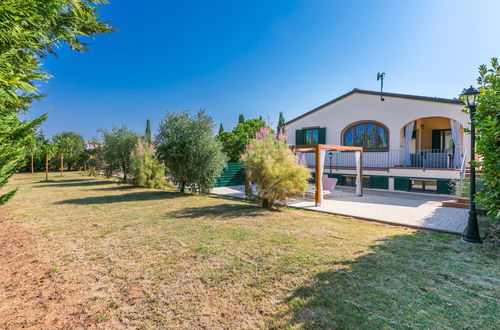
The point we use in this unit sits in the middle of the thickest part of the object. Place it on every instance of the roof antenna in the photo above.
(380, 76)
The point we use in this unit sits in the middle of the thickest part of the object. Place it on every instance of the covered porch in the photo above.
(423, 143)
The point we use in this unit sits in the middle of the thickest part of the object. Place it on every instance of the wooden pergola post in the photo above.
(318, 177)
(317, 149)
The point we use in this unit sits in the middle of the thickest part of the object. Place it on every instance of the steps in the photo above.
(467, 173)
(232, 175)
(461, 203)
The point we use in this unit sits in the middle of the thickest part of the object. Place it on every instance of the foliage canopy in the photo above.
(487, 123)
(191, 153)
(234, 142)
(30, 30)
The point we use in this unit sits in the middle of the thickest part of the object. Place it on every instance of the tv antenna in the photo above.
(380, 76)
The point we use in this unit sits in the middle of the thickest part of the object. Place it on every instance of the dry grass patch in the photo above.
(120, 256)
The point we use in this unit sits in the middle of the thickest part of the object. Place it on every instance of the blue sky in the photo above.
(262, 57)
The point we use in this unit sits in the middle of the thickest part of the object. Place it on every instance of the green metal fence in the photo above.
(232, 175)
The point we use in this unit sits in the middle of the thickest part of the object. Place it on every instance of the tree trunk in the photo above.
(62, 164)
(32, 165)
(183, 187)
(266, 204)
(47, 167)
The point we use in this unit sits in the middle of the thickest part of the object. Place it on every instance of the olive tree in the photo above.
(190, 151)
(117, 150)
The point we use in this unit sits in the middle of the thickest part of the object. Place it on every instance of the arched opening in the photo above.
(435, 142)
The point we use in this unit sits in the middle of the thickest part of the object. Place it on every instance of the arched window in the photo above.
(370, 135)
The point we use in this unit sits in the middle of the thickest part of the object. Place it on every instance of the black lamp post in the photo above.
(330, 154)
(471, 234)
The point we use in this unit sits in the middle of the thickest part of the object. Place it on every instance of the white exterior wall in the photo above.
(394, 113)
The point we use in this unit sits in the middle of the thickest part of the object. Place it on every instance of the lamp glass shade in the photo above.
(470, 96)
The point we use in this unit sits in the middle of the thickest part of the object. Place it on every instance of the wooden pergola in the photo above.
(317, 148)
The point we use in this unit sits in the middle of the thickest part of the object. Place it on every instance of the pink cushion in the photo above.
(329, 183)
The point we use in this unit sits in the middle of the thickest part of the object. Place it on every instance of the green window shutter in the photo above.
(380, 182)
(299, 137)
(402, 184)
(445, 187)
(322, 135)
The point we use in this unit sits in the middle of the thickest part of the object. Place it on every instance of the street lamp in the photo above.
(471, 234)
(330, 154)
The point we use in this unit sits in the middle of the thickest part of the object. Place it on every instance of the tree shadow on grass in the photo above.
(418, 280)
(77, 184)
(221, 211)
(118, 188)
(129, 197)
(65, 180)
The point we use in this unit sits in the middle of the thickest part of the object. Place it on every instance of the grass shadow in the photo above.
(129, 197)
(420, 280)
(77, 183)
(64, 180)
(118, 188)
(221, 211)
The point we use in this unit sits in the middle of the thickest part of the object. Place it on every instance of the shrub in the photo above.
(487, 123)
(145, 169)
(190, 151)
(272, 167)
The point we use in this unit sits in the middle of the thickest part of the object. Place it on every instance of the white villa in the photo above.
(410, 143)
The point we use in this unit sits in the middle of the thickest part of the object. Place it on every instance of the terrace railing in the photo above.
(421, 158)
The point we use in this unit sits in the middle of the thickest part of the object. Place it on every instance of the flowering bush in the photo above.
(271, 166)
(146, 170)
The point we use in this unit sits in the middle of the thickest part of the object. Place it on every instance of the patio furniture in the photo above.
(329, 185)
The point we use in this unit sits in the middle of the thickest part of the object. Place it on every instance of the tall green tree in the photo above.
(117, 150)
(192, 154)
(221, 128)
(241, 119)
(281, 122)
(71, 147)
(234, 142)
(147, 133)
(30, 30)
(487, 123)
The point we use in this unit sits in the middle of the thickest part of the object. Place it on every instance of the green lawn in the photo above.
(83, 251)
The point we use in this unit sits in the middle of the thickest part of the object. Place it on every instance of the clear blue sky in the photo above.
(262, 57)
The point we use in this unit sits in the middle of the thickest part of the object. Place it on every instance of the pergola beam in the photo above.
(316, 148)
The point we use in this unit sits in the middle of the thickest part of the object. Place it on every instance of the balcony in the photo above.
(394, 158)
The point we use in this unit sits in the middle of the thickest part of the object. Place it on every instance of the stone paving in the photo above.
(407, 209)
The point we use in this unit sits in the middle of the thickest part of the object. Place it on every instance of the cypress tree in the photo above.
(221, 128)
(281, 121)
(147, 134)
(241, 119)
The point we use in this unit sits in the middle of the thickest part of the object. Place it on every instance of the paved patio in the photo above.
(412, 210)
